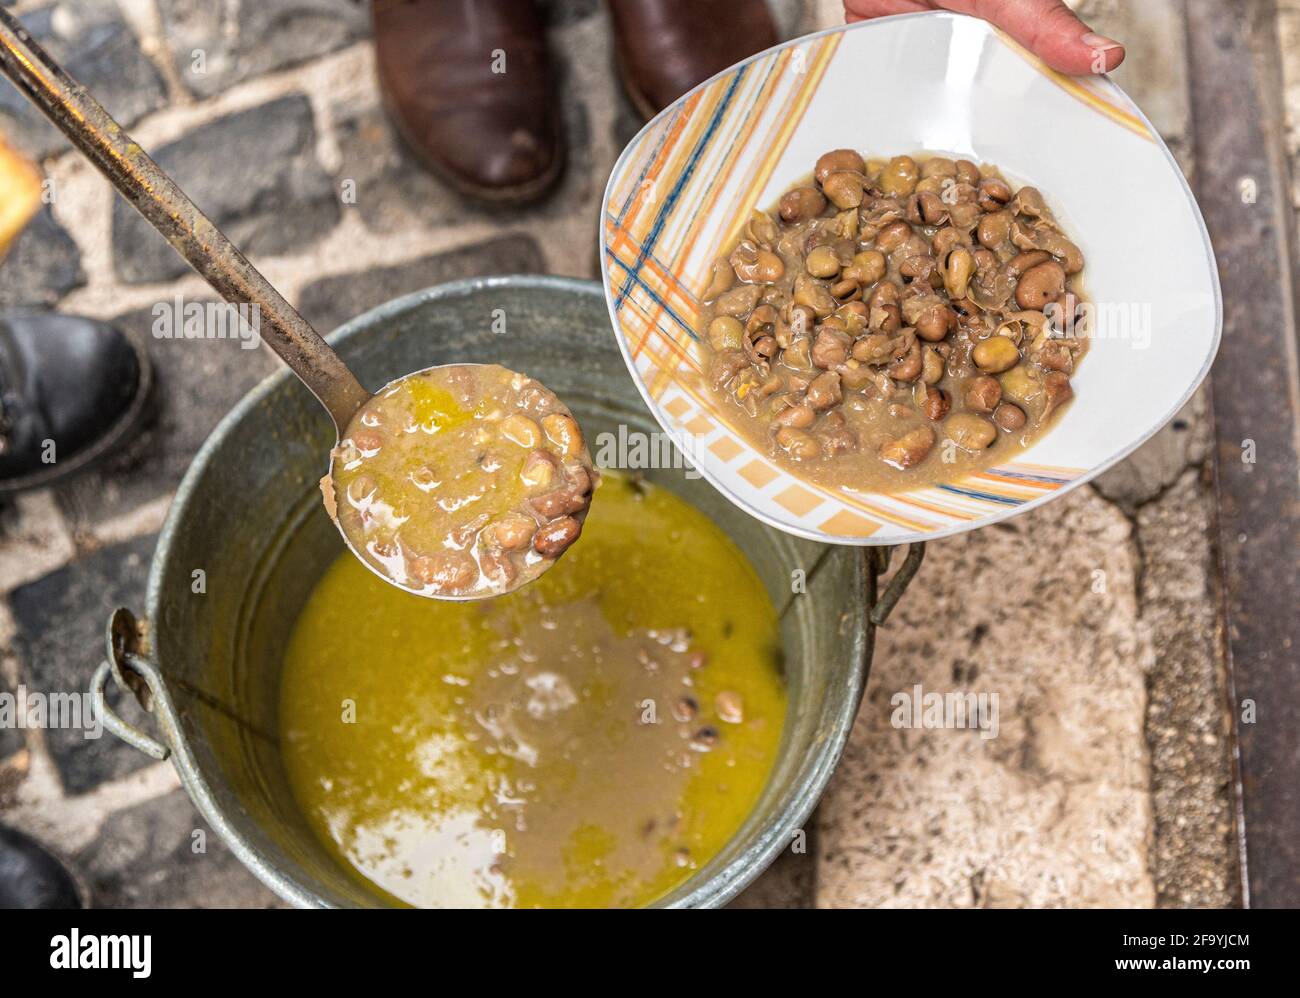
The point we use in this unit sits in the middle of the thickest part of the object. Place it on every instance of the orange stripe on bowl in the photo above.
(798, 500)
(726, 448)
(759, 474)
(677, 408)
(846, 524)
(701, 425)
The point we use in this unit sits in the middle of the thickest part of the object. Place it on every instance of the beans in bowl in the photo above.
(461, 480)
(897, 323)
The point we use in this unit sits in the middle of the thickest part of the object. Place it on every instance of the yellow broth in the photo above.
(587, 741)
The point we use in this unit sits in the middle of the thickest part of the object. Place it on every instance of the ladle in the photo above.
(148, 189)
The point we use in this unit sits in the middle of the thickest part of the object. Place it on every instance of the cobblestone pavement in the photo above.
(1092, 620)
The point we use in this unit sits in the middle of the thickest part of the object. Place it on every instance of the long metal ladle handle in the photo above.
(164, 205)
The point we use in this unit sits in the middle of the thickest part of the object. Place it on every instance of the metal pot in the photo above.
(248, 516)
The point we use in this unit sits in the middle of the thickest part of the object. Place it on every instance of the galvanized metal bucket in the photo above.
(248, 515)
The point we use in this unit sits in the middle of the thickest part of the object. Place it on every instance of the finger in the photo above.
(861, 10)
(1049, 29)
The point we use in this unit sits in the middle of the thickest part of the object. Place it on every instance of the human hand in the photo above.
(1048, 28)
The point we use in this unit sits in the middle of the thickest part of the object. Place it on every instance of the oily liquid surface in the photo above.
(500, 754)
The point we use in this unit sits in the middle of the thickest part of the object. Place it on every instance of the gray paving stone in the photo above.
(60, 620)
(332, 301)
(197, 382)
(1188, 730)
(161, 854)
(93, 42)
(215, 45)
(254, 173)
(395, 193)
(42, 265)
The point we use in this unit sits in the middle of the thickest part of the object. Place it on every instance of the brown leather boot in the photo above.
(667, 47)
(468, 85)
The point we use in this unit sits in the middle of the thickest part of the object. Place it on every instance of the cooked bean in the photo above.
(1009, 417)
(831, 347)
(1020, 386)
(970, 431)
(766, 268)
(521, 430)
(930, 208)
(799, 444)
(909, 366)
(1040, 285)
(513, 532)
(801, 203)
(875, 348)
(938, 166)
(936, 404)
(844, 291)
(835, 437)
(993, 194)
(893, 236)
(982, 394)
(822, 262)
(808, 292)
(799, 354)
(967, 172)
(725, 366)
(1056, 387)
(1056, 356)
(726, 333)
(855, 376)
(824, 392)
(799, 416)
(836, 161)
(559, 502)
(908, 450)
(730, 707)
(957, 272)
(446, 571)
(552, 538)
(738, 302)
(843, 189)
(932, 366)
(899, 177)
(935, 322)
(703, 740)
(538, 470)
(995, 355)
(994, 229)
(563, 431)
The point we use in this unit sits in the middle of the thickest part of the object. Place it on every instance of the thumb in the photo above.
(1049, 29)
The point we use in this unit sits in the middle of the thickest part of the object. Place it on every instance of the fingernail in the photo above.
(1100, 42)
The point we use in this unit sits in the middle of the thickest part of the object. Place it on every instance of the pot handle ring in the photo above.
(140, 677)
(885, 603)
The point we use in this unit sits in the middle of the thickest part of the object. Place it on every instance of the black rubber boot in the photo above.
(71, 390)
(33, 877)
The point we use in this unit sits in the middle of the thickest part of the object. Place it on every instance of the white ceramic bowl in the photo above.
(932, 82)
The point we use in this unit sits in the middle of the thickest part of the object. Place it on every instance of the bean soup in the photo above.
(893, 324)
(590, 740)
(462, 480)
